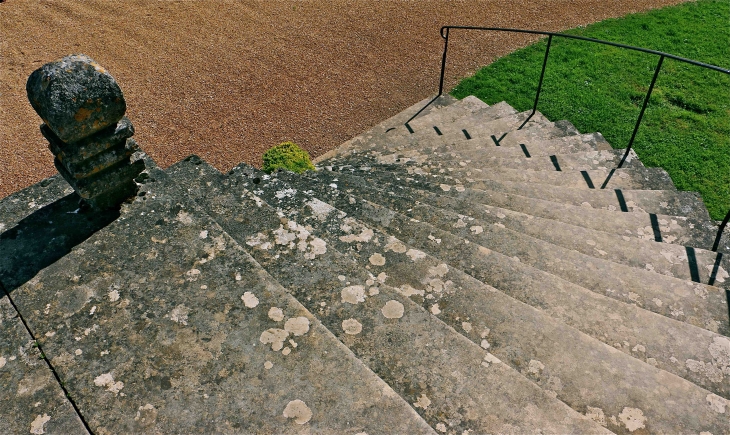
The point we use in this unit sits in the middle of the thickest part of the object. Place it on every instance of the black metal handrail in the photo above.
(445, 35)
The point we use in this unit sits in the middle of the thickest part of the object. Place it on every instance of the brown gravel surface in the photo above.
(227, 79)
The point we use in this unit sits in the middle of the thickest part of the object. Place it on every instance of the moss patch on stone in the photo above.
(287, 156)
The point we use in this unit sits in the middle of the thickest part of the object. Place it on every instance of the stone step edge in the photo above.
(559, 129)
(625, 198)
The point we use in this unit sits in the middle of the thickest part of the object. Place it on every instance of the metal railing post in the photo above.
(539, 84)
(643, 108)
(720, 231)
(441, 80)
(443, 59)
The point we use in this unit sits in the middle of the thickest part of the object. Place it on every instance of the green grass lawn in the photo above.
(686, 127)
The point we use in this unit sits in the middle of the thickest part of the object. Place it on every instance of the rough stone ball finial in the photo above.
(76, 97)
(82, 108)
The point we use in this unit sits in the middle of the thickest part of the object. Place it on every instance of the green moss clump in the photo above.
(287, 156)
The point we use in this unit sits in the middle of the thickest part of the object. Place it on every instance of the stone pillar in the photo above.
(82, 108)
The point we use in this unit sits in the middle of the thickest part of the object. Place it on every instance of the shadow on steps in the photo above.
(43, 237)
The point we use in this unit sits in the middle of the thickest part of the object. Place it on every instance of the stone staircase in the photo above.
(466, 278)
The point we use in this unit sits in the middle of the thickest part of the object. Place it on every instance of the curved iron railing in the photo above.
(445, 35)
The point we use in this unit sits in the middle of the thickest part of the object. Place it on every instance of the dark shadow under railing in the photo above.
(445, 35)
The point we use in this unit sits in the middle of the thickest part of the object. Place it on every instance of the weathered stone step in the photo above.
(695, 264)
(492, 121)
(429, 364)
(667, 202)
(388, 127)
(19, 205)
(496, 321)
(471, 114)
(449, 114)
(31, 399)
(644, 249)
(632, 178)
(624, 326)
(532, 133)
(669, 229)
(161, 323)
(583, 161)
(470, 154)
(40, 235)
(701, 305)
(475, 149)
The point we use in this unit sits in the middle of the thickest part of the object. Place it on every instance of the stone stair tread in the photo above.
(414, 352)
(583, 161)
(491, 121)
(667, 202)
(531, 133)
(16, 207)
(469, 153)
(670, 229)
(473, 149)
(632, 177)
(480, 306)
(450, 114)
(666, 234)
(664, 258)
(32, 401)
(609, 320)
(47, 233)
(381, 129)
(465, 113)
(704, 306)
(161, 323)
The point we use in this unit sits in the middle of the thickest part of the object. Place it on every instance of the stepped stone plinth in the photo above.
(82, 108)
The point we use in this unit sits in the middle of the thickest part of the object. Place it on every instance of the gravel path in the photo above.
(227, 79)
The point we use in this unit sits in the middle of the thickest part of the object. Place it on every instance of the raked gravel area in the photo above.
(227, 79)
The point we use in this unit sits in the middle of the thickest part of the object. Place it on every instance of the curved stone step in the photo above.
(583, 161)
(701, 305)
(161, 323)
(450, 122)
(495, 321)
(532, 133)
(696, 264)
(477, 149)
(630, 178)
(464, 155)
(495, 120)
(428, 363)
(667, 202)
(669, 229)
